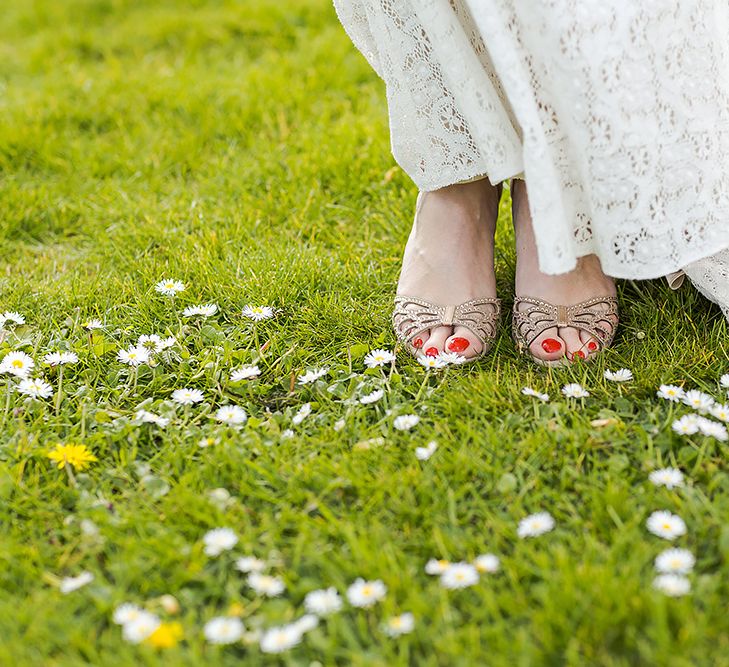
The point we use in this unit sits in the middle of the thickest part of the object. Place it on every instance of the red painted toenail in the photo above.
(578, 355)
(418, 342)
(432, 351)
(592, 346)
(458, 345)
(550, 345)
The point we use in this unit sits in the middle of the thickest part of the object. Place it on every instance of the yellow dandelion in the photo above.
(167, 635)
(77, 456)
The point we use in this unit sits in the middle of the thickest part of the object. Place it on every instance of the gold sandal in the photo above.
(412, 316)
(597, 316)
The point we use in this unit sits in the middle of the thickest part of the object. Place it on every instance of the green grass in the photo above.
(243, 148)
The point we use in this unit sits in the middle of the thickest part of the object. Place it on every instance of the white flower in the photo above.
(378, 358)
(245, 373)
(126, 613)
(313, 375)
(17, 363)
(713, 429)
(365, 593)
(424, 453)
(672, 584)
(487, 563)
(405, 422)
(535, 525)
(208, 441)
(430, 362)
(575, 390)
(220, 497)
(258, 312)
(303, 413)
(373, 397)
(459, 575)
(675, 561)
(204, 311)
(670, 392)
(69, 584)
(169, 287)
(528, 391)
(666, 525)
(687, 425)
(150, 343)
(280, 639)
(287, 433)
(218, 540)
(698, 400)
(250, 564)
(435, 566)
(37, 388)
(265, 584)
(141, 626)
(400, 625)
(60, 358)
(306, 623)
(720, 412)
(724, 380)
(151, 418)
(668, 477)
(223, 630)
(11, 316)
(134, 356)
(233, 415)
(323, 602)
(620, 375)
(93, 324)
(339, 425)
(187, 396)
(452, 358)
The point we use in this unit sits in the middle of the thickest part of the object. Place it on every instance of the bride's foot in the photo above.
(449, 259)
(585, 282)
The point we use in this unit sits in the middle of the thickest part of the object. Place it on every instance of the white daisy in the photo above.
(713, 429)
(221, 497)
(37, 388)
(280, 638)
(670, 392)
(140, 627)
(620, 375)
(686, 425)
(323, 602)
(11, 316)
(528, 391)
(69, 584)
(378, 358)
(208, 441)
(151, 418)
(265, 584)
(306, 623)
(223, 630)
(399, 625)
(430, 362)
(303, 412)
(339, 425)
(17, 363)
(205, 310)
(258, 313)
(93, 324)
(233, 415)
(424, 453)
(287, 433)
(724, 381)
(720, 412)
(535, 525)
(365, 593)
(668, 477)
(126, 613)
(218, 540)
(459, 575)
(675, 561)
(435, 566)
(61, 358)
(313, 375)
(405, 422)
(249, 564)
(187, 396)
(373, 397)
(169, 287)
(666, 525)
(672, 584)
(575, 390)
(698, 400)
(245, 373)
(134, 356)
(151, 343)
(452, 358)
(487, 563)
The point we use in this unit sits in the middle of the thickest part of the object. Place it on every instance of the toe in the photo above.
(435, 344)
(576, 349)
(418, 341)
(548, 345)
(589, 342)
(464, 342)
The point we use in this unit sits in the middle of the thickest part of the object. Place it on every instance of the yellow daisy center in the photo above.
(17, 363)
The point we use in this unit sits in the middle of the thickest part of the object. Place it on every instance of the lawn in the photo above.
(242, 148)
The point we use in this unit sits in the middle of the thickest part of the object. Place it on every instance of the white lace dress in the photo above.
(615, 112)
